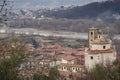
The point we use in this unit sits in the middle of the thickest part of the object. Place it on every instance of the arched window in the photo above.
(99, 36)
(91, 33)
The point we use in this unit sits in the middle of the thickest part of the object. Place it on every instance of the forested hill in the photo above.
(103, 10)
(78, 19)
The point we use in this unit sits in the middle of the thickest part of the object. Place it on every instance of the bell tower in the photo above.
(92, 35)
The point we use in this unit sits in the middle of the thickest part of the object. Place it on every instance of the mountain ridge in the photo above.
(106, 9)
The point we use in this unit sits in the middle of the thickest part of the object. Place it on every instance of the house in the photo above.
(67, 59)
(70, 67)
(80, 57)
(100, 50)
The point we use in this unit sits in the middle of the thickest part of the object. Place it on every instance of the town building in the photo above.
(100, 50)
(69, 61)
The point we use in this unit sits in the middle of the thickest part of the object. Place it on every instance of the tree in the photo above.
(38, 76)
(54, 73)
(13, 53)
(2, 4)
(101, 72)
(5, 8)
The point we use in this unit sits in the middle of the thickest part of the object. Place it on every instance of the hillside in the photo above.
(104, 10)
(53, 24)
(78, 19)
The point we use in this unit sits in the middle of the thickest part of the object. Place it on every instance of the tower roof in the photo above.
(100, 51)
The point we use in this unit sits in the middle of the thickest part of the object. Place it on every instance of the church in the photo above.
(100, 50)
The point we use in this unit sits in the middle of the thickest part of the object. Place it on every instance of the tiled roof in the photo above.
(80, 53)
(65, 73)
(101, 51)
(69, 50)
(66, 57)
(52, 49)
(80, 49)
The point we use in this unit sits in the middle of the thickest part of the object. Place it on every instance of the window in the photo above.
(91, 33)
(99, 36)
(73, 68)
(104, 47)
(91, 57)
(78, 69)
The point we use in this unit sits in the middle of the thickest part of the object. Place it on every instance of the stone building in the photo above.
(100, 50)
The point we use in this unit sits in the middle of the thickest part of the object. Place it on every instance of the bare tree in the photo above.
(2, 5)
(5, 8)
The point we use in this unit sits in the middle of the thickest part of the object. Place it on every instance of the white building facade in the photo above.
(99, 51)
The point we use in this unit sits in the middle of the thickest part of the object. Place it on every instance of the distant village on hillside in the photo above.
(99, 50)
(70, 61)
(64, 43)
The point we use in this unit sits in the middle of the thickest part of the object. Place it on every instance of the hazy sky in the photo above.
(32, 4)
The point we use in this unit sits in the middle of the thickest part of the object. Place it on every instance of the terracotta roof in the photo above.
(80, 53)
(53, 46)
(70, 50)
(53, 49)
(65, 73)
(80, 49)
(66, 57)
(101, 51)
